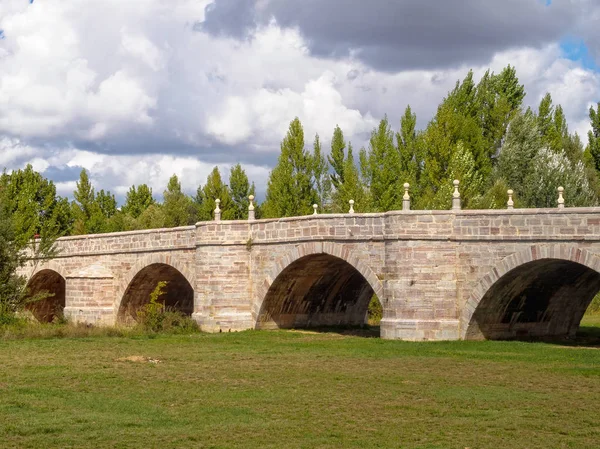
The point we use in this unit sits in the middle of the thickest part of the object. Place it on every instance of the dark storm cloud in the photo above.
(396, 35)
(63, 173)
(229, 17)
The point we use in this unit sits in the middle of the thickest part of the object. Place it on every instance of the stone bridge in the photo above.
(439, 275)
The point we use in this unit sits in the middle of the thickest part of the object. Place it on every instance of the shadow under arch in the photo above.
(316, 288)
(179, 293)
(539, 292)
(51, 282)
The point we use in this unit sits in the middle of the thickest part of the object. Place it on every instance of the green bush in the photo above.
(151, 315)
(155, 317)
(375, 311)
(594, 307)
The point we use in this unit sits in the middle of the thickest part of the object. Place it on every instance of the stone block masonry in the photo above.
(439, 275)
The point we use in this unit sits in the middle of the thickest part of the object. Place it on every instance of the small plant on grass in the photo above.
(152, 315)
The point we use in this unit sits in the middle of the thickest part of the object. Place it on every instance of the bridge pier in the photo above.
(90, 296)
(419, 330)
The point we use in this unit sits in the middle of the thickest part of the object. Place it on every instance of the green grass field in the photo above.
(298, 390)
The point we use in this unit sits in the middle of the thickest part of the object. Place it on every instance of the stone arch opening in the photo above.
(540, 298)
(52, 288)
(178, 296)
(316, 290)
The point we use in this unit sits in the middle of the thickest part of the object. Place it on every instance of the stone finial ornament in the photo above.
(251, 214)
(315, 207)
(406, 197)
(351, 211)
(510, 204)
(561, 200)
(456, 196)
(217, 210)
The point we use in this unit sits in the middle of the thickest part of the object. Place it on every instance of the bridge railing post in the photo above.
(315, 207)
(510, 204)
(217, 210)
(456, 196)
(351, 202)
(251, 213)
(406, 197)
(561, 200)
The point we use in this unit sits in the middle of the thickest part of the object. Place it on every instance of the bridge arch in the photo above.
(315, 284)
(48, 278)
(542, 290)
(135, 288)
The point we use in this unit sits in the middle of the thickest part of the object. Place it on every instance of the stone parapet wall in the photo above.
(144, 241)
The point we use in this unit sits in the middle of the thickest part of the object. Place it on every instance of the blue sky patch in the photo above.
(575, 49)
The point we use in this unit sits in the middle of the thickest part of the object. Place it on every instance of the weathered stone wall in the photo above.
(430, 269)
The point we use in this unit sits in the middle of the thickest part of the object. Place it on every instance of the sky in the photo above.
(136, 91)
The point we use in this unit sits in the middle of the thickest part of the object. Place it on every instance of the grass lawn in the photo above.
(298, 390)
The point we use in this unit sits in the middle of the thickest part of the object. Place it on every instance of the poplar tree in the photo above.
(321, 178)
(177, 206)
(240, 191)
(350, 189)
(138, 199)
(410, 162)
(550, 170)
(336, 158)
(522, 144)
(216, 189)
(545, 117)
(290, 190)
(383, 169)
(593, 149)
(153, 217)
(498, 98)
(107, 203)
(86, 210)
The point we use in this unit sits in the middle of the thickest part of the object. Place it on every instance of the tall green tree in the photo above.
(463, 168)
(177, 206)
(154, 217)
(216, 189)
(34, 207)
(351, 188)
(11, 258)
(383, 167)
(290, 189)
(337, 157)
(534, 170)
(89, 218)
(240, 191)
(545, 117)
(508, 86)
(521, 146)
(138, 199)
(550, 170)
(14, 253)
(322, 182)
(593, 149)
(498, 98)
(456, 122)
(107, 203)
(410, 157)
